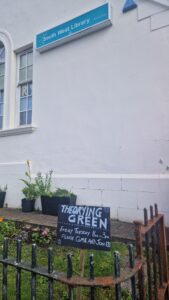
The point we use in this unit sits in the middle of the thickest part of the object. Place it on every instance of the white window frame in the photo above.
(2, 89)
(19, 83)
(9, 83)
(10, 125)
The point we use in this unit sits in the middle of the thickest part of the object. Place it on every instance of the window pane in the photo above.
(29, 120)
(30, 58)
(29, 103)
(1, 96)
(23, 118)
(22, 74)
(1, 82)
(24, 90)
(23, 104)
(25, 81)
(1, 122)
(23, 61)
(1, 109)
(29, 88)
(29, 73)
(2, 69)
(2, 53)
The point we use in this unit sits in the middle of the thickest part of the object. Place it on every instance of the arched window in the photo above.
(2, 77)
(15, 116)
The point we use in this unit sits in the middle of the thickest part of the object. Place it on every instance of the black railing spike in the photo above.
(91, 275)
(50, 271)
(145, 217)
(131, 256)
(117, 264)
(151, 212)
(5, 248)
(154, 262)
(156, 209)
(34, 255)
(33, 277)
(18, 270)
(50, 260)
(91, 267)
(5, 267)
(117, 274)
(69, 266)
(69, 274)
(132, 265)
(18, 251)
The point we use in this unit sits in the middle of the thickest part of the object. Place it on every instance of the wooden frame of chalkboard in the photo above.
(84, 227)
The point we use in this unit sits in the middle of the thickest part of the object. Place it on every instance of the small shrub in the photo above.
(30, 190)
(8, 229)
(44, 184)
(62, 193)
(42, 238)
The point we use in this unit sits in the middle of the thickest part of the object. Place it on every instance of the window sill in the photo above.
(17, 131)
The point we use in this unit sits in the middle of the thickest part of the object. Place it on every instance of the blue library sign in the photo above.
(88, 22)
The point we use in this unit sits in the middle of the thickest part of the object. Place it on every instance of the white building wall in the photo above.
(100, 108)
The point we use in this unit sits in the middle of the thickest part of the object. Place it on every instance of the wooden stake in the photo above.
(81, 270)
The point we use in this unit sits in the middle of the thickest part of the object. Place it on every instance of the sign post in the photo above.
(81, 270)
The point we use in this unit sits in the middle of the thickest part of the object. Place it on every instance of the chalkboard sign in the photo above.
(85, 227)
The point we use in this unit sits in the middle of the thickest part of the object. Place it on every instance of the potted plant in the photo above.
(50, 200)
(60, 196)
(30, 191)
(2, 195)
(44, 184)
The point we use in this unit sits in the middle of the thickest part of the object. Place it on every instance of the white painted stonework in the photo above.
(100, 106)
(156, 10)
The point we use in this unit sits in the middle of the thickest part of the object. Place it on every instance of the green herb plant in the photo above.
(30, 190)
(42, 238)
(62, 193)
(44, 183)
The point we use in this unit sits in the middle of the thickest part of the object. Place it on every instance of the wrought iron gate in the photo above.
(147, 272)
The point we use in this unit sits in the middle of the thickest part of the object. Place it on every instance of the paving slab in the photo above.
(33, 218)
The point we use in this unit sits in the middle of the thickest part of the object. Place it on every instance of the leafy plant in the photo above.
(3, 189)
(62, 193)
(42, 238)
(8, 229)
(30, 190)
(44, 183)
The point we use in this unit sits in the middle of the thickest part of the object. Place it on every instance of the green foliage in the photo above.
(44, 183)
(126, 295)
(42, 237)
(30, 190)
(8, 229)
(62, 193)
(3, 189)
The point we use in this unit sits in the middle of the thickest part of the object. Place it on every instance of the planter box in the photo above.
(50, 204)
(28, 205)
(2, 199)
